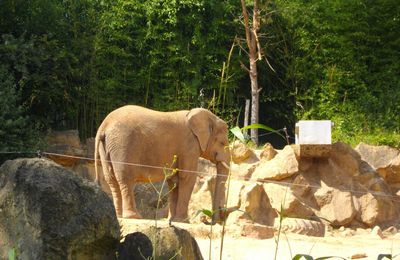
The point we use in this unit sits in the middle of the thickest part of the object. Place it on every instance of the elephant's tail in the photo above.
(98, 141)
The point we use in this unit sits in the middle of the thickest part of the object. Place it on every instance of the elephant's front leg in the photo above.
(186, 182)
(172, 196)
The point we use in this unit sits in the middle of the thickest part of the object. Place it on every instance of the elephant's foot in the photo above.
(118, 212)
(131, 214)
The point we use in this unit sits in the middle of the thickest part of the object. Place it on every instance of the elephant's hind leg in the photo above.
(129, 209)
(117, 198)
(115, 191)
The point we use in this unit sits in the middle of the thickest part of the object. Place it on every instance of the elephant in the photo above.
(134, 144)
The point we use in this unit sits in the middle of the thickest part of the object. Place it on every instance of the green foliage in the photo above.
(47, 46)
(161, 54)
(16, 131)
(343, 63)
(72, 62)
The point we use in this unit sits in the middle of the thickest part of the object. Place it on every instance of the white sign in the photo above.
(313, 132)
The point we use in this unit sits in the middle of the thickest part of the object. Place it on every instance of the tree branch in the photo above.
(269, 65)
(256, 27)
(244, 67)
(246, 23)
(241, 47)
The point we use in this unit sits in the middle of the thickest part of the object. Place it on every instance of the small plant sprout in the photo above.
(168, 173)
(12, 255)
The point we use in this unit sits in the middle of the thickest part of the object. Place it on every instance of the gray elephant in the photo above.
(135, 143)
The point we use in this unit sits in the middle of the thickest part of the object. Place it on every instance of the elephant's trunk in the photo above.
(219, 192)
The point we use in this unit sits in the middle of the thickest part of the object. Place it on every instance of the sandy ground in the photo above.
(237, 247)
(252, 249)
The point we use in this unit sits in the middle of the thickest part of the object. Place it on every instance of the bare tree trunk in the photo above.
(246, 115)
(254, 56)
(255, 94)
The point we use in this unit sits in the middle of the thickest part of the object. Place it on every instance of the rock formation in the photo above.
(136, 246)
(339, 190)
(346, 187)
(167, 243)
(46, 212)
(385, 160)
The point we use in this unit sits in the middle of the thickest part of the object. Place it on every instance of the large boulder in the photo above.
(46, 212)
(255, 205)
(233, 194)
(361, 195)
(286, 202)
(268, 152)
(203, 190)
(201, 198)
(152, 199)
(167, 243)
(336, 206)
(282, 166)
(136, 246)
(240, 152)
(65, 143)
(85, 169)
(385, 160)
(377, 156)
(376, 209)
(353, 191)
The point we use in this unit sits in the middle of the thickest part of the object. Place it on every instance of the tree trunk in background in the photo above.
(254, 56)
(246, 115)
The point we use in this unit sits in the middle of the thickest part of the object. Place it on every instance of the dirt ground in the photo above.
(360, 244)
(290, 245)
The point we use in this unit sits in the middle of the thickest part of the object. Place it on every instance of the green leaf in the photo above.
(238, 134)
(301, 256)
(264, 127)
(207, 212)
(11, 254)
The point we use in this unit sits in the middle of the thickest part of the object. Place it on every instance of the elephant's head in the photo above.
(212, 135)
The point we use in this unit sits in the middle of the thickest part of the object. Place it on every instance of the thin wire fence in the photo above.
(394, 198)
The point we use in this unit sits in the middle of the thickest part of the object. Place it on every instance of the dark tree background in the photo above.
(67, 64)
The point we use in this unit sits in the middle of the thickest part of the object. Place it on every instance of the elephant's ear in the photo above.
(201, 124)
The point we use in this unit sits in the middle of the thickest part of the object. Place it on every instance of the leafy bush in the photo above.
(16, 130)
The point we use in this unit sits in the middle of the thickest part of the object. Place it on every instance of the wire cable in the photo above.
(395, 198)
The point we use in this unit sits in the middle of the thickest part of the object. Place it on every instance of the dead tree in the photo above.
(254, 52)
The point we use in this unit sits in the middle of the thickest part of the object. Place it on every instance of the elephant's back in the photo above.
(130, 111)
(137, 113)
(136, 124)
